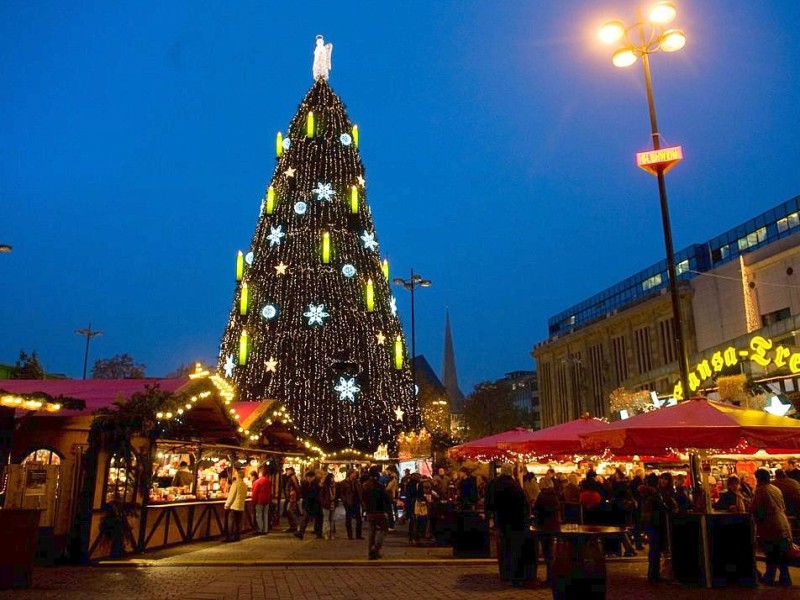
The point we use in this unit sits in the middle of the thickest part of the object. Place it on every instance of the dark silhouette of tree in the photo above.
(490, 409)
(121, 366)
(28, 366)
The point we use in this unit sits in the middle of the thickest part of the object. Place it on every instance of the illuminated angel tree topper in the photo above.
(315, 301)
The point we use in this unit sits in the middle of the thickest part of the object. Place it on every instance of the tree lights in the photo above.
(319, 316)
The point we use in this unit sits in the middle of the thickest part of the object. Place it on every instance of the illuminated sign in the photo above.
(665, 158)
(761, 350)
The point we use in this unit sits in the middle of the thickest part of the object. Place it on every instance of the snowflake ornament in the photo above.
(248, 258)
(275, 235)
(300, 208)
(345, 139)
(393, 306)
(287, 143)
(347, 389)
(229, 365)
(269, 312)
(316, 314)
(369, 240)
(324, 191)
(348, 270)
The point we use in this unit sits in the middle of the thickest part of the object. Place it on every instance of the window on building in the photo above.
(620, 360)
(651, 282)
(682, 267)
(775, 316)
(644, 360)
(789, 222)
(752, 239)
(719, 254)
(596, 377)
(666, 338)
(43, 456)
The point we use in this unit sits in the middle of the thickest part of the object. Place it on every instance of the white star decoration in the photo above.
(381, 338)
(281, 268)
(290, 172)
(271, 364)
(398, 413)
(229, 365)
(316, 314)
(275, 235)
(369, 240)
(361, 180)
(347, 389)
(393, 305)
(324, 191)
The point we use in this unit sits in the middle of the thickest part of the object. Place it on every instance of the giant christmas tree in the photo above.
(313, 324)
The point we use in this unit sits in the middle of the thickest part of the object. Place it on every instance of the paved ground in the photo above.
(278, 566)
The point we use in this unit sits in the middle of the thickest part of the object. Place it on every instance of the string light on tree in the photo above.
(313, 326)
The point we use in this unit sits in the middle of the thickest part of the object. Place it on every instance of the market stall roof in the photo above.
(696, 424)
(563, 439)
(96, 393)
(488, 448)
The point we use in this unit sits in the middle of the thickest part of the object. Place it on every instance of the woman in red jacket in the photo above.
(262, 498)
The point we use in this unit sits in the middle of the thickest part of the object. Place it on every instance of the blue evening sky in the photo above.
(136, 140)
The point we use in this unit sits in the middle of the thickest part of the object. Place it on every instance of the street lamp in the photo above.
(411, 284)
(640, 40)
(88, 333)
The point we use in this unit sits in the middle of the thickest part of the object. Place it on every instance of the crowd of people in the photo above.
(641, 502)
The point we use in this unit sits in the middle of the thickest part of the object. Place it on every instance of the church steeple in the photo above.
(449, 375)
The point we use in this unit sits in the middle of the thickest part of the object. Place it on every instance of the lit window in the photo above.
(789, 222)
(752, 239)
(682, 267)
(651, 282)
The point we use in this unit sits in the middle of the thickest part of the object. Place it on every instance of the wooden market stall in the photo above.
(113, 475)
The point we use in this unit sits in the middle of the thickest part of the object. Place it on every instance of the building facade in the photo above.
(734, 289)
(525, 394)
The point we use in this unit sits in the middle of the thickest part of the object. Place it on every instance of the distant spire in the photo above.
(449, 375)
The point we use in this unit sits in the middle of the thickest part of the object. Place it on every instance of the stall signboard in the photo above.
(663, 158)
(760, 350)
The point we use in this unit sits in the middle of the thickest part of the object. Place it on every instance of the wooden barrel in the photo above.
(579, 568)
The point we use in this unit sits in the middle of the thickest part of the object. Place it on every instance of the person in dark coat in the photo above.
(507, 505)
(376, 506)
(312, 507)
(467, 490)
(350, 493)
(791, 492)
(547, 519)
(792, 472)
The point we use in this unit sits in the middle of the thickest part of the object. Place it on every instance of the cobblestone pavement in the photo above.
(452, 582)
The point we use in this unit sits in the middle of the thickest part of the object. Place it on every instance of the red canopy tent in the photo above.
(563, 439)
(697, 424)
(488, 448)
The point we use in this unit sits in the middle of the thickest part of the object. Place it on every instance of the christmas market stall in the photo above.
(146, 463)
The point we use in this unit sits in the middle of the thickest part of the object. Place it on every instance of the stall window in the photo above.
(121, 479)
(43, 456)
(173, 475)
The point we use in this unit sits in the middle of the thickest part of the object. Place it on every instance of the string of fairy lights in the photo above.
(313, 323)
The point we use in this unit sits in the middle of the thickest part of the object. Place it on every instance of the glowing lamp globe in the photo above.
(672, 40)
(624, 57)
(663, 13)
(611, 31)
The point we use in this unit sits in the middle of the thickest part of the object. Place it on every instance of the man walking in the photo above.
(312, 507)
(291, 491)
(350, 492)
(376, 506)
(507, 505)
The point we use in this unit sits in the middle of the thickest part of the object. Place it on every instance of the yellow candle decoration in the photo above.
(279, 144)
(243, 344)
(398, 353)
(239, 266)
(370, 296)
(385, 267)
(326, 247)
(310, 125)
(244, 299)
(355, 135)
(270, 200)
(353, 199)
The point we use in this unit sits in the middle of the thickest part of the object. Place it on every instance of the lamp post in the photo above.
(411, 284)
(640, 40)
(88, 333)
